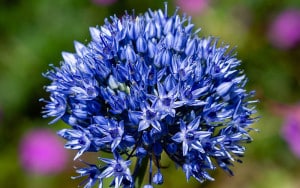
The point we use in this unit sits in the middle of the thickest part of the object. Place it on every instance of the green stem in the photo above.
(140, 171)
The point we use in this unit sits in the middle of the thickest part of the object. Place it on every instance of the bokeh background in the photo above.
(33, 33)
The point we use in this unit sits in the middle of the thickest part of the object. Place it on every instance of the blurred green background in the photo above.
(34, 32)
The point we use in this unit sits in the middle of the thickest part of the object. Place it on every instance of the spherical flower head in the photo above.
(147, 84)
(284, 29)
(41, 152)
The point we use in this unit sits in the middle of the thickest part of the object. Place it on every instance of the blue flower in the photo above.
(146, 117)
(146, 85)
(118, 168)
(110, 132)
(56, 107)
(78, 139)
(92, 171)
(190, 136)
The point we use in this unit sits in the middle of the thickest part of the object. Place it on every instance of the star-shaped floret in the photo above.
(191, 136)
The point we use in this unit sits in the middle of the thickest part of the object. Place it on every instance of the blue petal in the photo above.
(95, 33)
(178, 137)
(130, 54)
(143, 125)
(141, 152)
(185, 148)
(150, 30)
(101, 120)
(180, 41)
(115, 143)
(166, 58)
(141, 44)
(169, 40)
(155, 124)
(190, 47)
(135, 116)
(108, 172)
(151, 49)
(169, 82)
(169, 27)
(161, 90)
(81, 50)
(194, 124)
(224, 88)
(71, 60)
(158, 178)
(200, 91)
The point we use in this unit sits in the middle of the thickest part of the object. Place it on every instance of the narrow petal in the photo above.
(155, 124)
(95, 33)
(178, 137)
(108, 172)
(143, 125)
(185, 148)
(194, 124)
(115, 143)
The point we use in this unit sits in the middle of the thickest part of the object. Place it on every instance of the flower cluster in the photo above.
(147, 84)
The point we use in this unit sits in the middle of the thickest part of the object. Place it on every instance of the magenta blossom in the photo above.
(291, 125)
(291, 133)
(192, 7)
(284, 29)
(104, 2)
(41, 152)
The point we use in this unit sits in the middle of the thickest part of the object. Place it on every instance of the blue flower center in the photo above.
(190, 136)
(188, 94)
(166, 101)
(181, 72)
(151, 75)
(90, 91)
(150, 115)
(118, 168)
(114, 133)
(81, 141)
(217, 69)
(58, 105)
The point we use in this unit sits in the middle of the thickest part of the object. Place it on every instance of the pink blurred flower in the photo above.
(192, 7)
(104, 2)
(284, 30)
(291, 125)
(291, 133)
(41, 152)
